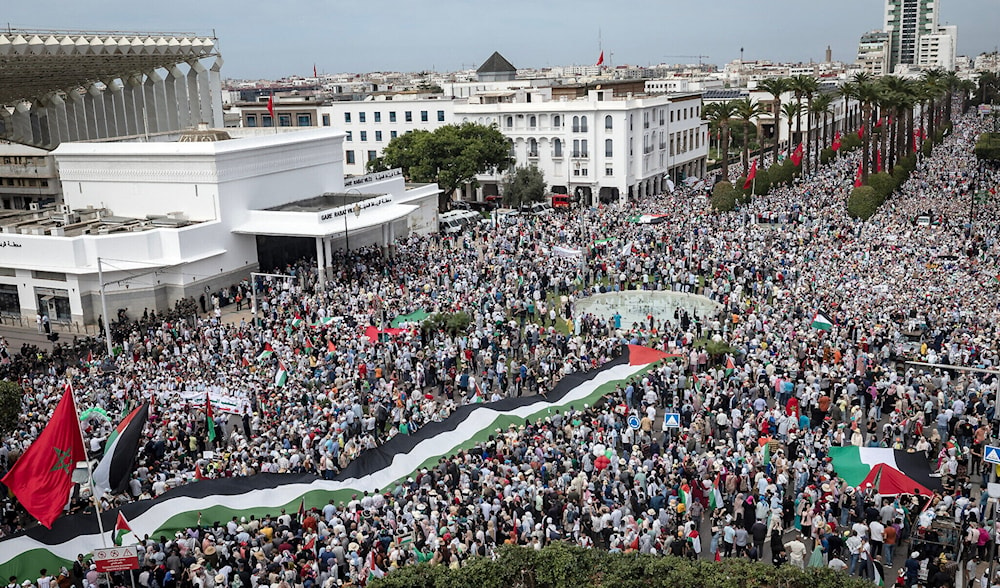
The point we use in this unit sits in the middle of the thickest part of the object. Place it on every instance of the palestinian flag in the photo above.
(281, 376)
(113, 472)
(854, 464)
(297, 321)
(330, 347)
(730, 366)
(209, 419)
(122, 528)
(309, 345)
(222, 498)
(323, 322)
(715, 495)
(268, 352)
(821, 322)
(684, 495)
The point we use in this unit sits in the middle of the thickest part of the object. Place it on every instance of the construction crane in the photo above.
(698, 57)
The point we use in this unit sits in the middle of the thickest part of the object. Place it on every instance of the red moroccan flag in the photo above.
(751, 175)
(43, 477)
(915, 135)
(836, 142)
(858, 176)
(879, 123)
(600, 60)
(861, 132)
(270, 104)
(878, 161)
(797, 155)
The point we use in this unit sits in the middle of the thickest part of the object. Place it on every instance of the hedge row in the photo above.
(865, 200)
(560, 565)
(988, 146)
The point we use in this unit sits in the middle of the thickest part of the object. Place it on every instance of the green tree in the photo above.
(775, 87)
(822, 106)
(746, 112)
(868, 96)
(11, 398)
(452, 156)
(525, 184)
(804, 86)
(718, 115)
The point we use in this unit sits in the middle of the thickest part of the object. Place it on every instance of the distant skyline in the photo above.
(271, 39)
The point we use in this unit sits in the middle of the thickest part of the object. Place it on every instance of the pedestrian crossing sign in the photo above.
(991, 454)
(672, 420)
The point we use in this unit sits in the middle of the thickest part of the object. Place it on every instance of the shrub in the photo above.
(863, 202)
(926, 148)
(826, 155)
(883, 184)
(721, 187)
(779, 174)
(849, 142)
(909, 162)
(899, 174)
(763, 184)
(988, 146)
(724, 197)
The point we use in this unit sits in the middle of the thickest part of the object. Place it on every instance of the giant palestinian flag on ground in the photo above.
(853, 464)
(218, 500)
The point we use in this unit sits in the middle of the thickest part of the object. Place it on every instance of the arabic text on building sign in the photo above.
(328, 215)
(375, 177)
(9, 244)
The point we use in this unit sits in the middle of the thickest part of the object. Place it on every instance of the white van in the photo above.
(454, 221)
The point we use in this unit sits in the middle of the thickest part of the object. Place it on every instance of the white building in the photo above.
(27, 175)
(937, 50)
(620, 145)
(873, 53)
(172, 219)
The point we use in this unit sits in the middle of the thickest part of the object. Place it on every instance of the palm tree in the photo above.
(719, 114)
(775, 87)
(932, 83)
(804, 86)
(951, 83)
(966, 89)
(848, 91)
(893, 92)
(867, 96)
(746, 111)
(821, 106)
(791, 110)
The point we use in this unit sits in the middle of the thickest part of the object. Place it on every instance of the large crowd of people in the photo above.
(893, 288)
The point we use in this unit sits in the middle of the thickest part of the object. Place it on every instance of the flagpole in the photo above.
(90, 468)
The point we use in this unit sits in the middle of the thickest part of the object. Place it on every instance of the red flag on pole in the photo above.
(751, 175)
(836, 142)
(42, 478)
(861, 132)
(879, 123)
(600, 60)
(878, 161)
(797, 155)
(270, 104)
(857, 177)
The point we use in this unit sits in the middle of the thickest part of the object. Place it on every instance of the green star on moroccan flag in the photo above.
(64, 461)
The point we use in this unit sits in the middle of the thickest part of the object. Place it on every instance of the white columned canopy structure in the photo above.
(58, 86)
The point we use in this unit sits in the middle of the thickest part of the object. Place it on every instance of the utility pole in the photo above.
(104, 309)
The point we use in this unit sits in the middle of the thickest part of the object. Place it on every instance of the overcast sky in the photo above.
(274, 38)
